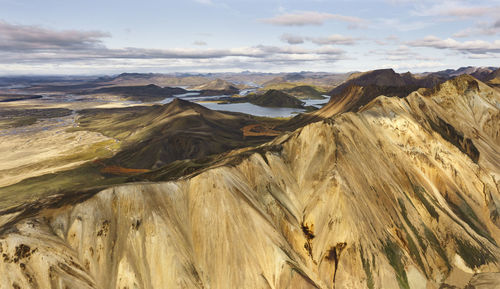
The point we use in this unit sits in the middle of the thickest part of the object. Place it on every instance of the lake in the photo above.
(247, 107)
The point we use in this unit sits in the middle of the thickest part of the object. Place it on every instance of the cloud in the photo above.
(453, 9)
(31, 38)
(480, 29)
(304, 18)
(259, 57)
(394, 24)
(401, 53)
(464, 11)
(414, 65)
(391, 39)
(334, 39)
(483, 56)
(259, 51)
(32, 47)
(472, 47)
(200, 43)
(292, 39)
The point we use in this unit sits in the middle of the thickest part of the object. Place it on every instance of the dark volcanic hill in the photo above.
(155, 136)
(275, 98)
(146, 93)
(400, 84)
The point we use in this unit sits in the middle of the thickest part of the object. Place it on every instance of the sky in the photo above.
(109, 36)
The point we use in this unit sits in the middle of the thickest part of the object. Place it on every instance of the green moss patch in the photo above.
(394, 255)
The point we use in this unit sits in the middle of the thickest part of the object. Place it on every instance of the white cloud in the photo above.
(473, 47)
(32, 48)
(30, 38)
(335, 39)
(304, 18)
(292, 39)
(414, 65)
(483, 56)
(454, 9)
(401, 53)
(200, 43)
(394, 24)
(482, 28)
(263, 58)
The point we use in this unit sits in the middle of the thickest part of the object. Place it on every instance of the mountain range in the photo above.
(394, 183)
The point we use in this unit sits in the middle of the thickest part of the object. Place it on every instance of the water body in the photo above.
(247, 107)
(194, 97)
(317, 102)
(254, 109)
(186, 96)
(265, 111)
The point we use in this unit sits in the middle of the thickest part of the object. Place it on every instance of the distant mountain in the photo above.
(146, 93)
(217, 87)
(481, 73)
(308, 78)
(305, 92)
(139, 79)
(217, 84)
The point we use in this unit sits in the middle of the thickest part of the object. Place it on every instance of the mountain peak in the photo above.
(459, 85)
(216, 84)
(179, 103)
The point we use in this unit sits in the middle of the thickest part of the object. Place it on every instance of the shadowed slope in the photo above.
(145, 138)
(161, 134)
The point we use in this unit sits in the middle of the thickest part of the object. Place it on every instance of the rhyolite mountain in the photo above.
(361, 88)
(402, 192)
